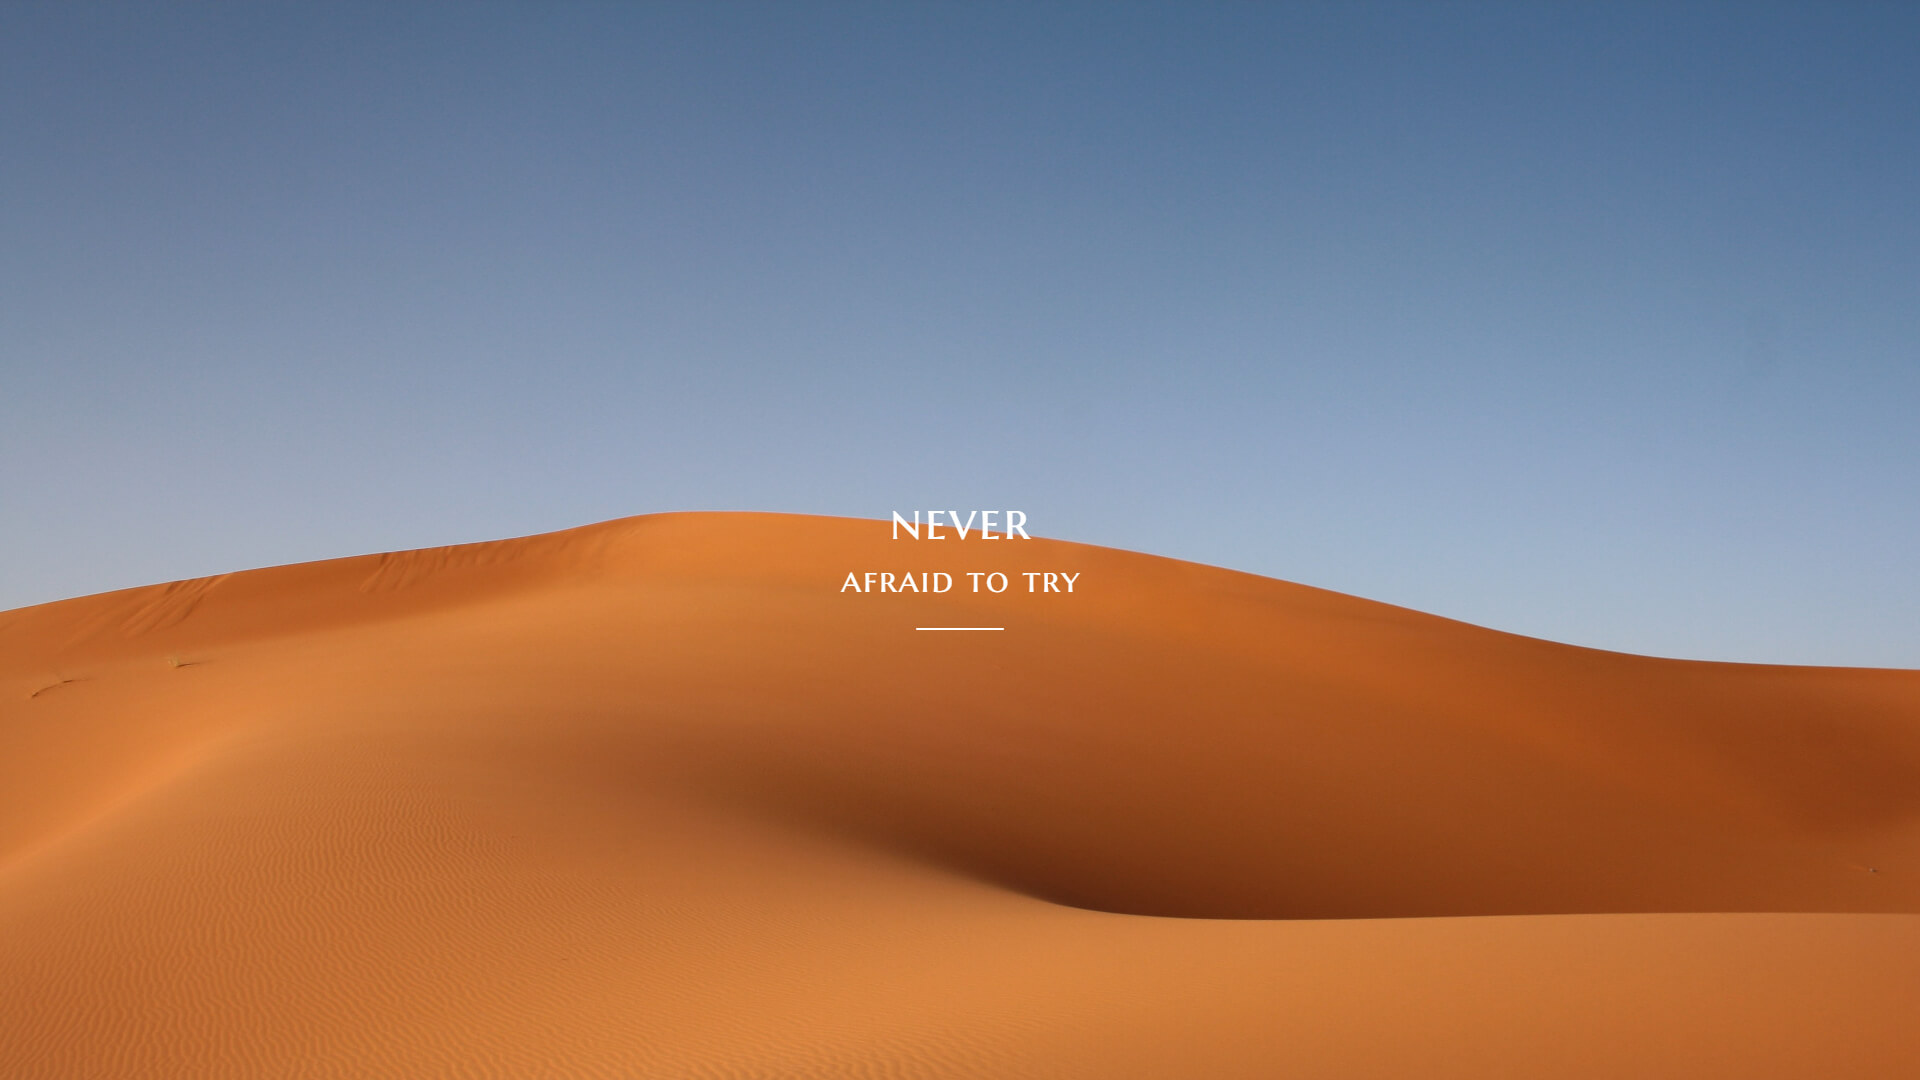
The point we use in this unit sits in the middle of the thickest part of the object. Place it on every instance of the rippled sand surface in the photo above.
(654, 798)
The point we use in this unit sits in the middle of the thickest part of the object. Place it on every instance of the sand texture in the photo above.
(654, 799)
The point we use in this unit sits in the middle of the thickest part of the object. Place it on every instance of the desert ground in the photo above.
(656, 798)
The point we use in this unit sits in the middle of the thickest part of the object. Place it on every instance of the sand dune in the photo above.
(653, 798)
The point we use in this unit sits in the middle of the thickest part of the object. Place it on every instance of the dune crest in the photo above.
(654, 797)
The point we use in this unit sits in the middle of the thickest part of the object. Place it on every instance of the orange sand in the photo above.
(654, 799)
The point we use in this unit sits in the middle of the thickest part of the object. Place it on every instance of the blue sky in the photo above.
(1595, 323)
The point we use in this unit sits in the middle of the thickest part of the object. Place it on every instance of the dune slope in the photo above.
(656, 798)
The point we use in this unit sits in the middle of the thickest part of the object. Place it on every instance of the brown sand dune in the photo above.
(653, 798)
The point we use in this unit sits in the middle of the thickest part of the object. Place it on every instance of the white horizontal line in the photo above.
(959, 628)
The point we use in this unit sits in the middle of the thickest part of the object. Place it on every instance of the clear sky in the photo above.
(1595, 323)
